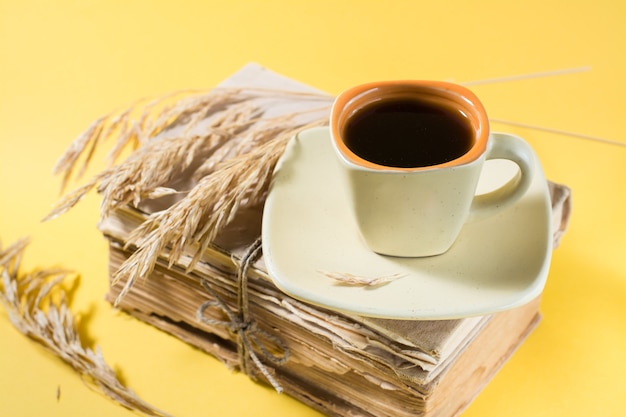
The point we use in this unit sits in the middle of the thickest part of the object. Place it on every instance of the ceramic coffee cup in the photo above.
(412, 153)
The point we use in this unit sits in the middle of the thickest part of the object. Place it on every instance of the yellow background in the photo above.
(65, 63)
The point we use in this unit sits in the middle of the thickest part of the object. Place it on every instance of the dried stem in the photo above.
(348, 279)
(221, 141)
(37, 306)
(167, 143)
(206, 210)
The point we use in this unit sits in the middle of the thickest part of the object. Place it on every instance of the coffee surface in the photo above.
(408, 133)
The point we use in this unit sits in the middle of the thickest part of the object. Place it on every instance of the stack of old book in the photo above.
(338, 363)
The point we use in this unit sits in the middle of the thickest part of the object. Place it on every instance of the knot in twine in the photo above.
(242, 326)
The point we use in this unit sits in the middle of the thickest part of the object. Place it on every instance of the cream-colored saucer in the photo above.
(308, 230)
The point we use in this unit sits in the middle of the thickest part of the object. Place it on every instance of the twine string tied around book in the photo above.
(248, 334)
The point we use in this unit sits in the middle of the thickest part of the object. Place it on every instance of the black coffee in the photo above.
(408, 133)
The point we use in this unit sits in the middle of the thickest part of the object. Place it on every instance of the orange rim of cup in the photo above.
(453, 96)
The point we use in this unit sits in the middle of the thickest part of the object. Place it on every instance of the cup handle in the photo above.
(515, 149)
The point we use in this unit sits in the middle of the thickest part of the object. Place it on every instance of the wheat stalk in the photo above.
(348, 279)
(207, 209)
(229, 162)
(37, 306)
(157, 160)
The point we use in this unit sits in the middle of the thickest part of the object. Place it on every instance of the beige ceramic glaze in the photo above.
(420, 211)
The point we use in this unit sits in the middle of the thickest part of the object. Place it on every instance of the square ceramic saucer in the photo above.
(496, 264)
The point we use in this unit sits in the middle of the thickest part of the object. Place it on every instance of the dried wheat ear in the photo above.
(226, 129)
(37, 305)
